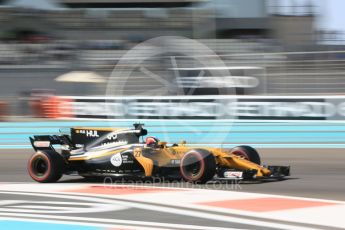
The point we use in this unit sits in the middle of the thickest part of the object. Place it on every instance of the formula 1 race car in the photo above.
(110, 152)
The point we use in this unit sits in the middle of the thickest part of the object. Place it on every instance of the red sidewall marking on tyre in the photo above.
(31, 171)
(202, 167)
(240, 152)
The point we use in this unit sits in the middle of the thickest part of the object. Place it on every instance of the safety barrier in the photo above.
(292, 134)
(3, 110)
(323, 108)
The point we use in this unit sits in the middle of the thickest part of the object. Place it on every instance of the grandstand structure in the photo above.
(134, 19)
(64, 35)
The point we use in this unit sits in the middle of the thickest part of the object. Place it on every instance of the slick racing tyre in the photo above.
(247, 153)
(45, 167)
(198, 166)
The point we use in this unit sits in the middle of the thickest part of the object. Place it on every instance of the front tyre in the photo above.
(198, 166)
(247, 152)
(45, 167)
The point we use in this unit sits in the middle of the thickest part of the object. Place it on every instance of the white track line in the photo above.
(76, 223)
(197, 214)
(155, 224)
(125, 223)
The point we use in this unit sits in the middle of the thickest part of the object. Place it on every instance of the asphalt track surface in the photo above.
(316, 173)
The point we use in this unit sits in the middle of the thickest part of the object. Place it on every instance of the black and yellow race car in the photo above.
(110, 152)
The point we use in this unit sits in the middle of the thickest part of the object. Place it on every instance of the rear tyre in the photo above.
(46, 167)
(247, 152)
(198, 166)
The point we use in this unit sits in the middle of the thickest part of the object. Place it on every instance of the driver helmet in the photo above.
(151, 141)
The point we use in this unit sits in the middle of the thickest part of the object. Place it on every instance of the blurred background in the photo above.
(70, 47)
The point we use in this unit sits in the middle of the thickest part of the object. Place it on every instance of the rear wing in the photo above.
(46, 142)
